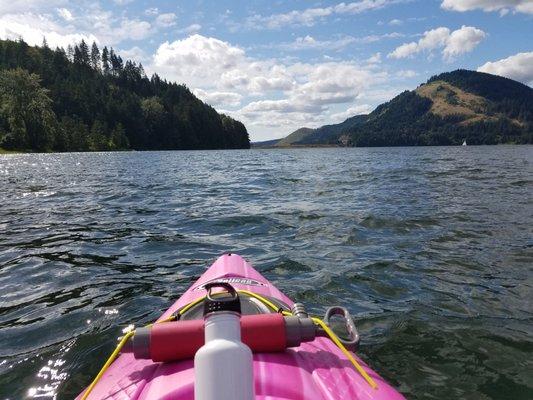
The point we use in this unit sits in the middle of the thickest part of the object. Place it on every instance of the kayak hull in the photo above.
(316, 370)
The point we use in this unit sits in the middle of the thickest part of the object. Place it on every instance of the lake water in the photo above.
(431, 249)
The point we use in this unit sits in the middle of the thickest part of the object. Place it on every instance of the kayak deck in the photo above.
(313, 371)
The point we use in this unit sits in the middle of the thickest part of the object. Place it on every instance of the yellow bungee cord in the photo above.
(109, 361)
(337, 342)
(124, 340)
(262, 299)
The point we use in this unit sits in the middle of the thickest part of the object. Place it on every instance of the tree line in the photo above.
(89, 99)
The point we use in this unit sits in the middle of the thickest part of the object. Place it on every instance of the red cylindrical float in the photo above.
(172, 341)
(264, 332)
(180, 340)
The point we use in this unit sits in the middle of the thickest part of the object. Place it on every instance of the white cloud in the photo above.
(196, 59)
(331, 82)
(166, 20)
(377, 38)
(430, 40)
(358, 7)
(199, 59)
(61, 27)
(453, 44)
(65, 14)
(113, 30)
(15, 6)
(434, 38)
(267, 125)
(405, 50)
(462, 41)
(129, 29)
(503, 6)
(135, 54)
(216, 99)
(191, 28)
(518, 67)
(284, 106)
(380, 94)
(395, 22)
(271, 92)
(33, 28)
(374, 58)
(306, 18)
(151, 11)
(318, 87)
(122, 2)
(309, 16)
(406, 73)
(310, 43)
(350, 112)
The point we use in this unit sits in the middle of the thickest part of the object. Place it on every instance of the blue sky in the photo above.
(281, 65)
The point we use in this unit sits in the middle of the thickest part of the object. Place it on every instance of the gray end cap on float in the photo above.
(299, 330)
(141, 343)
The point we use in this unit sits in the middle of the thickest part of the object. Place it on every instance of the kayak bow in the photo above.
(312, 368)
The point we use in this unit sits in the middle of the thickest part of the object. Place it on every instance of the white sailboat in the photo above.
(464, 142)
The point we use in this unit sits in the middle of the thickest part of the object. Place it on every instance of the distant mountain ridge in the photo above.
(297, 136)
(448, 109)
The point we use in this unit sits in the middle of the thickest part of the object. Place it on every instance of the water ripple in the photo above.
(430, 248)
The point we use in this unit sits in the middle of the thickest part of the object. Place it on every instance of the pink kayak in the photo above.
(315, 370)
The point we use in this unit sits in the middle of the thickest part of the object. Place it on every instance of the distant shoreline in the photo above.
(4, 151)
(302, 146)
(294, 147)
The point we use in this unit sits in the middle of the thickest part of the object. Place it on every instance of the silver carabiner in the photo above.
(352, 343)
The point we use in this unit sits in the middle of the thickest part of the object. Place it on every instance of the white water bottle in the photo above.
(223, 366)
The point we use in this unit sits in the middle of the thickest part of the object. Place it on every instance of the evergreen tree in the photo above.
(105, 61)
(77, 58)
(141, 71)
(85, 58)
(116, 63)
(95, 57)
(70, 53)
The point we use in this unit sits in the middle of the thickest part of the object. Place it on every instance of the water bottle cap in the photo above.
(228, 301)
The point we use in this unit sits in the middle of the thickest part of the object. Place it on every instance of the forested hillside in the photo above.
(88, 99)
(446, 110)
(450, 108)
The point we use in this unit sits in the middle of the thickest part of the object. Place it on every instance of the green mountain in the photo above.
(295, 137)
(306, 136)
(87, 99)
(448, 109)
(332, 133)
